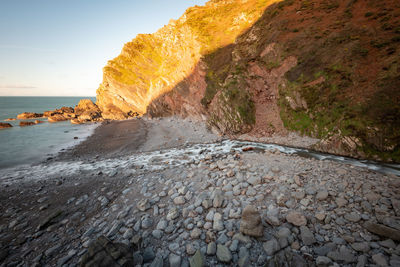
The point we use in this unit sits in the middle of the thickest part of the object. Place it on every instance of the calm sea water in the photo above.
(25, 145)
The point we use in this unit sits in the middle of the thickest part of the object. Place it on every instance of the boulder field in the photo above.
(206, 207)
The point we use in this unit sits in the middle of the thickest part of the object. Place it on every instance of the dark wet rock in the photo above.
(287, 258)
(53, 218)
(148, 255)
(104, 253)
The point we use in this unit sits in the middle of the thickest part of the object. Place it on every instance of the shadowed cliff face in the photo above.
(324, 68)
(154, 64)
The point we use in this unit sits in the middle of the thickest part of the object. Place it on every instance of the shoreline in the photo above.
(127, 187)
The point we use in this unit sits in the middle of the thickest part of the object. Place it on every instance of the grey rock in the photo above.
(272, 217)
(322, 195)
(174, 260)
(343, 255)
(361, 247)
(244, 261)
(211, 248)
(341, 202)
(148, 255)
(388, 243)
(147, 223)
(379, 259)
(157, 262)
(271, 247)
(234, 246)
(254, 180)
(157, 234)
(323, 261)
(197, 260)
(283, 232)
(362, 261)
(162, 224)
(307, 236)
(173, 247)
(352, 217)
(143, 205)
(179, 200)
(325, 249)
(196, 233)
(172, 214)
(218, 199)
(218, 224)
(223, 254)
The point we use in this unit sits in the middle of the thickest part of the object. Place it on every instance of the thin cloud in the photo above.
(17, 86)
(37, 49)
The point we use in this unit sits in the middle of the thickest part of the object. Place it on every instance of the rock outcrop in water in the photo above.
(29, 115)
(86, 111)
(5, 125)
(327, 69)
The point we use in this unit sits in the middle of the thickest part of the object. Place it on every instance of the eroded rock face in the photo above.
(5, 125)
(184, 99)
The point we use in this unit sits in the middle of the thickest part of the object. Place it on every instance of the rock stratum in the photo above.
(325, 68)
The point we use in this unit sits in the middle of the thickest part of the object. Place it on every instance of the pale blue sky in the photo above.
(59, 47)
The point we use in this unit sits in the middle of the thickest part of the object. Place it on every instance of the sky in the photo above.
(59, 47)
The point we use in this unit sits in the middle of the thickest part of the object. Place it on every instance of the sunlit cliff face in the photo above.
(153, 64)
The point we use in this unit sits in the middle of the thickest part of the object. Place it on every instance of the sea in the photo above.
(32, 144)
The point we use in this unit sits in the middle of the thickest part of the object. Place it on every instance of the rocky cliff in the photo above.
(153, 64)
(324, 68)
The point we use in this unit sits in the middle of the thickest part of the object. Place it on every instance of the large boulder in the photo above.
(57, 118)
(86, 111)
(5, 125)
(29, 115)
(89, 115)
(251, 222)
(86, 105)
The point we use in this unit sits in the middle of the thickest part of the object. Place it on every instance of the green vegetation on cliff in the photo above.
(323, 68)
